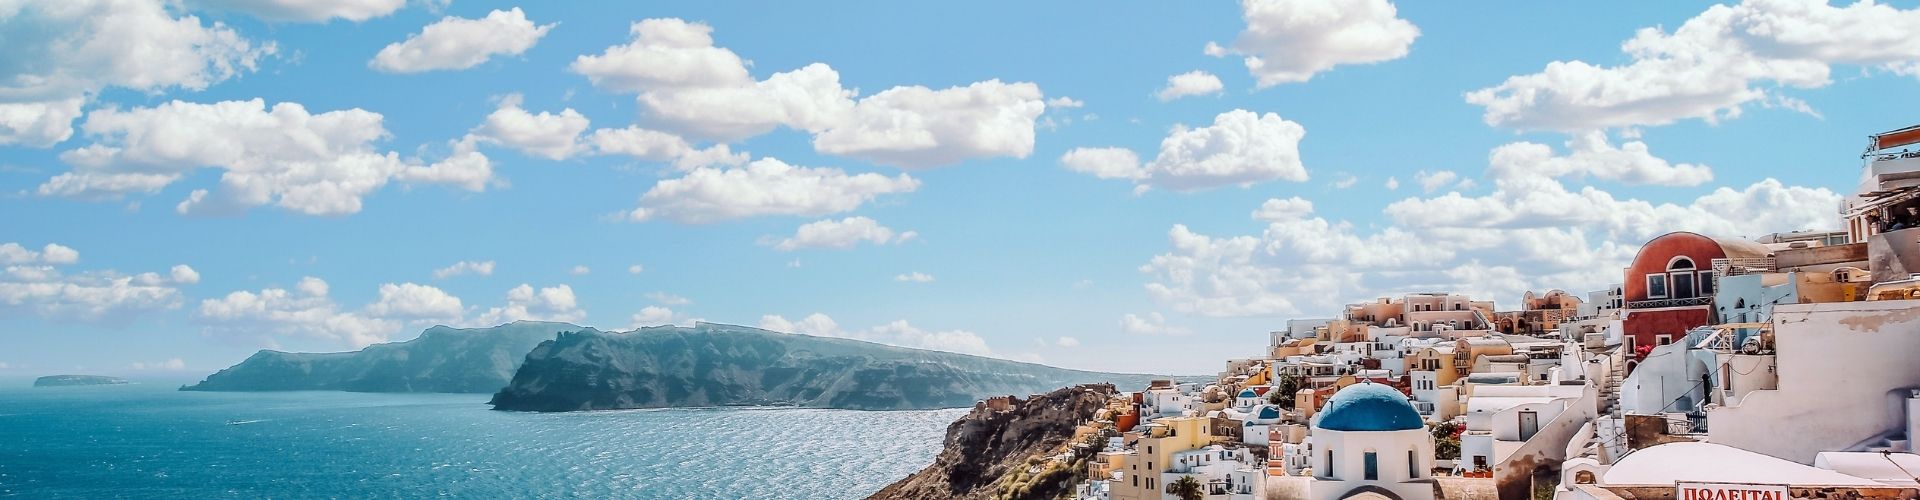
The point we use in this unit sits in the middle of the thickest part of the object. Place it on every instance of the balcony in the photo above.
(1659, 303)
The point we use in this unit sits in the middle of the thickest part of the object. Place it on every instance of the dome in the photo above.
(1248, 393)
(1368, 407)
(1269, 413)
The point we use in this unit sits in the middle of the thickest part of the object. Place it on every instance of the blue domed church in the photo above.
(1369, 443)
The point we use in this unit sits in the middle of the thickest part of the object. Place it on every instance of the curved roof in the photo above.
(1368, 407)
(1268, 413)
(1715, 463)
(1248, 393)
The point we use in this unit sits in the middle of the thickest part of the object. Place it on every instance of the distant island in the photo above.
(76, 380)
(723, 365)
(442, 359)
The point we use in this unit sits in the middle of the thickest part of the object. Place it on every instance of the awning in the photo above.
(1892, 139)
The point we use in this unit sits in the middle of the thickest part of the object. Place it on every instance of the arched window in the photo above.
(1680, 263)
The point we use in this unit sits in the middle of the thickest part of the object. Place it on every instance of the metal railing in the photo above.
(1658, 303)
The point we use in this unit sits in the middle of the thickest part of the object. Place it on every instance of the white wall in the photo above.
(1838, 364)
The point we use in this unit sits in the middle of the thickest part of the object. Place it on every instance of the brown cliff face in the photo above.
(1004, 454)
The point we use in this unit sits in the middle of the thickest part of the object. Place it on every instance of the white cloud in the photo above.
(481, 268)
(689, 86)
(416, 301)
(1276, 209)
(183, 274)
(1064, 102)
(316, 164)
(636, 269)
(1151, 324)
(52, 253)
(554, 303)
(914, 127)
(1530, 232)
(1431, 181)
(306, 311)
(657, 315)
(308, 10)
(546, 135)
(842, 234)
(654, 145)
(61, 54)
(914, 277)
(1213, 49)
(171, 364)
(1241, 148)
(1067, 342)
(1709, 67)
(459, 43)
(1191, 83)
(765, 187)
(1393, 183)
(1105, 163)
(1344, 180)
(1592, 156)
(899, 333)
(580, 270)
(668, 299)
(1290, 41)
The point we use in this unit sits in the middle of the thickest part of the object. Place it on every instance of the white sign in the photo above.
(1729, 491)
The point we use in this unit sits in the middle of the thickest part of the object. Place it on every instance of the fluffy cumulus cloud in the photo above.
(1531, 231)
(653, 145)
(659, 315)
(546, 135)
(1290, 41)
(687, 85)
(1151, 324)
(921, 127)
(481, 268)
(60, 54)
(459, 43)
(316, 164)
(307, 10)
(899, 333)
(308, 311)
(841, 234)
(1191, 83)
(554, 303)
(1241, 148)
(1592, 155)
(41, 283)
(1710, 67)
(767, 186)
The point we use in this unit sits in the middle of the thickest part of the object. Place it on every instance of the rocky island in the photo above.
(721, 365)
(76, 380)
(442, 359)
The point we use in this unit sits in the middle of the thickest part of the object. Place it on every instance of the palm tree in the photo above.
(1187, 488)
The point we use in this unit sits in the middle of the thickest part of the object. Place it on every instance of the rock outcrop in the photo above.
(442, 359)
(1011, 450)
(720, 365)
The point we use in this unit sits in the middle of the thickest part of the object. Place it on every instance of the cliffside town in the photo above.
(1717, 367)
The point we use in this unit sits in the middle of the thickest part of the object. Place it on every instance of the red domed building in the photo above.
(1669, 287)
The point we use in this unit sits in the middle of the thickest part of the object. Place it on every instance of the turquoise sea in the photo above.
(149, 441)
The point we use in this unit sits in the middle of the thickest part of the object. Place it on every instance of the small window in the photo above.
(1706, 282)
(1413, 465)
(1662, 339)
(1656, 286)
(1329, 472)
(1372, 461)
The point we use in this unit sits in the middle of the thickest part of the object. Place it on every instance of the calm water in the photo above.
(150, 441)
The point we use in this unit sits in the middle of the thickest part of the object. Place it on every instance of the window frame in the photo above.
(1662, 279)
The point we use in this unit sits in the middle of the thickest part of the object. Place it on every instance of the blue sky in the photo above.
(1058, 202)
